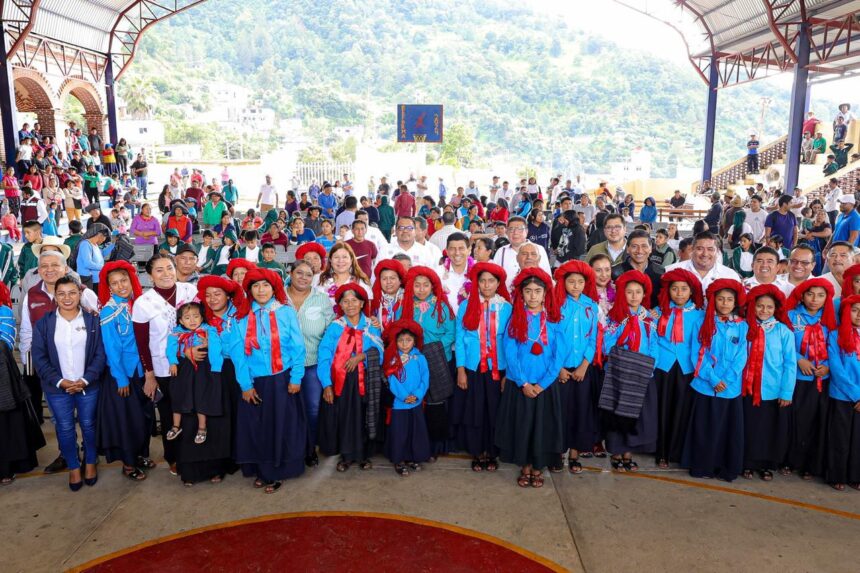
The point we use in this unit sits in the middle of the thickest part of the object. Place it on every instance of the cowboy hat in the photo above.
(52, 242)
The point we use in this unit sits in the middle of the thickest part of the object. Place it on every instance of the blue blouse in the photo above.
(800, 319)
(433, 331)
(214, 352)
(371, 338)
(648, 344)
(525, 366)
(467, 344)
(724, 361)
(414, 381)
(779, 370)
(681, 353)
(7, 326)
(123, 359)
(844, 372)
(579, 324)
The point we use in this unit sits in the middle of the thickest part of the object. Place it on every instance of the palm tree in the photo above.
(138, 94)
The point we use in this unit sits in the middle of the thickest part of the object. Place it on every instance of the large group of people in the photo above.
(521, 324)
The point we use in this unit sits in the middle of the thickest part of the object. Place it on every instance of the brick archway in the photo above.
(88, 95)
(33, 94)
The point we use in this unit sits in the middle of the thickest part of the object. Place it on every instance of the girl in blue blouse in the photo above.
(810, 311)
(843, 429)
(529, 430)
(268, 352)
(342, 370)
(714, 442)
(124, 412)
(630, 327)
(768, 382)
(576, 295)
(679, 318)
(407, 442)
(480, 359)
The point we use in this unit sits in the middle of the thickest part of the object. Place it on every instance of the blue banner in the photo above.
(419, 123)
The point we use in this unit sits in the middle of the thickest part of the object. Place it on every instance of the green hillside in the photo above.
(523, 83)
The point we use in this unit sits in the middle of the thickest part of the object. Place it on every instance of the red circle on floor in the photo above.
(325, 543)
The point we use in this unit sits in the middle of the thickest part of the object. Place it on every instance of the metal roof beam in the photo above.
(28, 12)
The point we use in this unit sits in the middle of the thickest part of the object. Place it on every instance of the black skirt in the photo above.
(20, 439)
(407, 439)
(196, 389)
(714, 443)
(674, 401)
(766, 431)
(234, 396)
(272, 437)
(808, 427)
(596, 389)
(642, 436)
(123, 424)
(342, 424)
(843, 443)
(473, 413)
(530, 431)
(580, 411)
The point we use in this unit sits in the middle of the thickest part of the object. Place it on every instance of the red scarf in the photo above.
(632, 334)
(489, 350)
(677, 326)
(251, 340)
(350, 343)
(186, 341)
(755, 366)
(814, 346)
(537, 349)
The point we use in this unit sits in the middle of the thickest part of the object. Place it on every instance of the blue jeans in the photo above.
(141, 186)
(64, 406)
(311, 394)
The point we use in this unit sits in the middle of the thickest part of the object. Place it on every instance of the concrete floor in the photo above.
(660, 520)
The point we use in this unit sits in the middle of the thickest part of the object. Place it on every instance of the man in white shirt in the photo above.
(440, 237)
(756, 217)
(831, 200)
(839, 258)
(421, 238)
(506, 257)
(801, 262)
(456, 274)
(764, 266)
(703, 262)
(267, 199)
(404, 242)
(798, 203)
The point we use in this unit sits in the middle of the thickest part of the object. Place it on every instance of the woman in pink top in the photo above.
(145, 228)
(34, 178)
(12, 191)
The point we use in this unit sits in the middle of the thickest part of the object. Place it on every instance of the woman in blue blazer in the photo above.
(71, 385)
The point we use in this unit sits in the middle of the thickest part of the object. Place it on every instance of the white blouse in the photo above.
(161, 315)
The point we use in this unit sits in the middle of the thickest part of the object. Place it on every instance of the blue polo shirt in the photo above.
(782, 225)
(845, 225)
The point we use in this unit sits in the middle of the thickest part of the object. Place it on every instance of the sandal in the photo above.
(574, 466)
(556, 469)
(200, 437)
(477, 465)
(838, 486)
(173, 433)
(7, 481)
(785, 470)
(134, 474)
(188, 483)
(258, 483)
(536, 480)
(854, 486)
(662, 463)
(216, 479)
(524, 480)
(414, 466)
(765, 475)
(173, 470)
(401, 470)
(806, 476)
(272, 487)
(366, 465)
(748, 474)
(630, 465)
(617, 464)
(491, 465)
(342, 466)
(145, 463)
(598, 450)
(585, 455)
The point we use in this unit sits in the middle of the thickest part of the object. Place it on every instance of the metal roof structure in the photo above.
(752, 39)
(76, 37)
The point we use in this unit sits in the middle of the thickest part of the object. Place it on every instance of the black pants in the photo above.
(165, 414)
(122, 164)
(752, 163)
(92, 195)
(34, 385)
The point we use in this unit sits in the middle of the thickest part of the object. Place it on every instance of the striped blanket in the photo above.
(627, 377)
(441, 383)
(374, 380)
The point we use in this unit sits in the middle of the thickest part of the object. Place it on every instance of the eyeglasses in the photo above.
(801, 263)
(405, 228)
(517, 229)
(613, 228)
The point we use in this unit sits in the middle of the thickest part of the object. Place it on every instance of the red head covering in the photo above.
(519, 326)
(706, 334)
(232, 288)
(579, 268)
(257, 274)
(385, 265)
(354, 288)
(828, 315)
(5, 295)
(849, 340)
(409, 293)
(673, 276)
(620, 309)
(312, 248)
(755, 363)
(472, 318)
(104, 287)
(848, 279)
(237, 263)
(391, 364)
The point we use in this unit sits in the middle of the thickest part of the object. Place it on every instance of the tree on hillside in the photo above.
(457, 145)
(138, 94)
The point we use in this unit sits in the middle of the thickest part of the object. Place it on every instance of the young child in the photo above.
(250, 251)
(714, 442)
(480, 360)
(406, 442)
(327, 238)
(75, 235)
(389, 276)
(26, 259)
(342, 369)
(315, 255)
(810, 310)
(742, 256)
(224, 254)
(343, 233)
(576, 295)
(843, 428)
(768, 382)
(195, 387)
(10, 223)
(679, 318)
(529, 426)
(49, 227)
(206, 254)
(630, 344)
(171, 242)
(267, 260)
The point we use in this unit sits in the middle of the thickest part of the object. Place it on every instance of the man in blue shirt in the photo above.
(782, 222)
(328, 202)
(847, 226)
(752, 154)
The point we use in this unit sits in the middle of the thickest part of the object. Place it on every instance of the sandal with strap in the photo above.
(785, 470)
(401, 470)
(342, 466)
(765, 475)
(536, 480)
(200, 437)
(134, 474)
(491, 465)
(599, 451)
(414, 466)
(173, 433)
(748, 474)
(662, 463)
(7, 481)
(854, 486)
(272, 487)
(258, 483)
(585, 455)
(524, 480)
(366, 465)
(630, 465)
(806, 476)
(477, 465)
(145, 463)
(574, 466)
(617, 464)
(838, 486)
(216, 479)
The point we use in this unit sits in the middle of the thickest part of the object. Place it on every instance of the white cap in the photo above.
(847, 199)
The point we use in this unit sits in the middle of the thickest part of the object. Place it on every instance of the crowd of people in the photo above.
(521, 324)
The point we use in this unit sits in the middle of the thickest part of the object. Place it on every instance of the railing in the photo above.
(323, 171)
(847, 177)
(734, 172)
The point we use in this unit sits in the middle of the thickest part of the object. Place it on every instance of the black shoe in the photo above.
(91, 481)
(312, 460)
(76, 486)
(57, 465)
